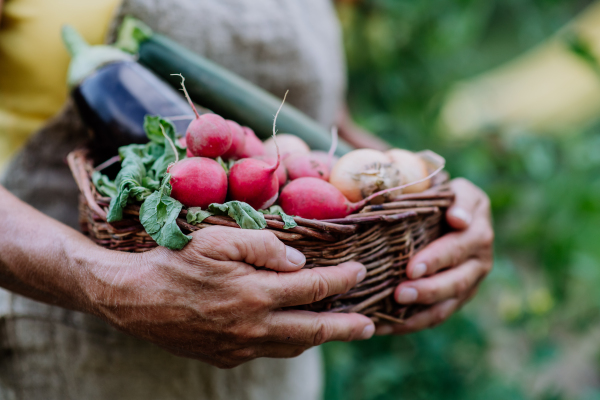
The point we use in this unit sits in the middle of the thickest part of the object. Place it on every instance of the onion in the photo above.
(363, 172)
(412, 168)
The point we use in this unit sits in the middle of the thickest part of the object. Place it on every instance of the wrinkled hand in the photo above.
(209, 302)
(464, 258)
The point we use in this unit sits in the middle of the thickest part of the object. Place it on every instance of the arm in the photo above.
(206, 301)
(355, 135)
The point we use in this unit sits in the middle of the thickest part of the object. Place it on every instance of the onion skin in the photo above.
(288, 144)
(363, 172)
(412, 168)
(198, 182)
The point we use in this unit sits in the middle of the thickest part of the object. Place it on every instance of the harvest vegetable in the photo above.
(287, 144)
(282, 175)
(238, 141)
(306, 165)
(253, 146)
(207, 135)
(198, 182)
(362, 172)
(254, 181)
(412, 168)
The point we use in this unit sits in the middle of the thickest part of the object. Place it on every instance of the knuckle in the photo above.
(322, 332)
(320, 287)
(244, 354)
(430, 294)
(461, 286)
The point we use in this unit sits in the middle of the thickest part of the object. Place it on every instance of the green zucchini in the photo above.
(220, 90)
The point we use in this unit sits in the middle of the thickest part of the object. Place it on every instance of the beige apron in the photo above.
(51, 353)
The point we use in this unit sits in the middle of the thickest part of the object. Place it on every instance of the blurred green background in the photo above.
(533, 331)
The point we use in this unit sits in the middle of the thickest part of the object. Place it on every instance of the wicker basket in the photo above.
(382, 237)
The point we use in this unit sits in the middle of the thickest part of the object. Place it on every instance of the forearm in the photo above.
(41, 258)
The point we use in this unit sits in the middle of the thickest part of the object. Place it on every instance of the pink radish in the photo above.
(282, 175)
(196, 181)
(207, 135)
(253, 146)
(254, 181)
(287, 144)
(301, 165)
(238, 141)
(305, 165)
(323, 157)
(314, 198)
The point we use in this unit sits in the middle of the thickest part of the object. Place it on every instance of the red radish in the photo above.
(306, 165)
(207, 135)
(254, 181)
(323, 157)
(311, 164)
(198, 182)
(253, 146)
(314, 198)
(183, 144)
(282, 175)
(238, 141)
(287, 144)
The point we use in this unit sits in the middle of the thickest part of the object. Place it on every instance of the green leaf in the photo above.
(159, 215)
(243, 214)
(196, 215)
(152, 126)
(104, 185)
(129, 179)
(287, 219)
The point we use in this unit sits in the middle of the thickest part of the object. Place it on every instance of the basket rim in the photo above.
(405, 206)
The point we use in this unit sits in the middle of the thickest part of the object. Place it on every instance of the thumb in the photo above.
(260, 248)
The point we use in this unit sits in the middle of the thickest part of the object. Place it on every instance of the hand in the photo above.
(447, 272)
(209, 302)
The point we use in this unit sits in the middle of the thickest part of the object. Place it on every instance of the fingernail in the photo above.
(367, 332)
(384, 330)
(407, 295)
(294, 256)
(361, 275)
(461, 214)
(419, 270)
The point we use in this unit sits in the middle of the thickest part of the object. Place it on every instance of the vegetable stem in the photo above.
(275, 132)
(187, 96)
(170, 142)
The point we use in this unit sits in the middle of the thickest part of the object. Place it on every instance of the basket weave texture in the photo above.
(382, 237)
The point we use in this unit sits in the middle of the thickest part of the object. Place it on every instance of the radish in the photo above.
(254, 181)
(282, 174)
(313, 198)
(196, 181)
(253, 146)
(287, 144)
(362, 172)
(238, 141)
(207, 135)
(181, 141)
(411, 167)
(323, 157)
(305, 165)
(301, 165)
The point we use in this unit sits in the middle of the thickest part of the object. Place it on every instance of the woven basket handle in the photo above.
(77, 164)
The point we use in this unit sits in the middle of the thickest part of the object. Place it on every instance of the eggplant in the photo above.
(113, 93)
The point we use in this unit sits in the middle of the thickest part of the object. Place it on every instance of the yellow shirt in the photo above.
(34, 62)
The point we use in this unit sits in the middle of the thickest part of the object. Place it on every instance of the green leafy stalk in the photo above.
(287, 219)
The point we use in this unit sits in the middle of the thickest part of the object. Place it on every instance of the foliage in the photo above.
(536, 317)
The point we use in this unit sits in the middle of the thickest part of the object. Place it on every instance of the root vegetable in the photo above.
(198, 182)
(288, 144)
(323, 157)
(306, 165)
(238, 141)
(412, 168)
(254, 181)
(208, 135)
(253, 146)
(362, 172)
(282, 174)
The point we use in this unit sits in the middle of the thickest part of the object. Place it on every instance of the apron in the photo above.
(47, 352)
